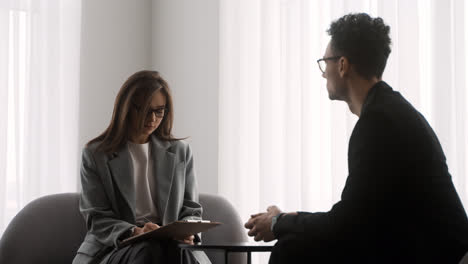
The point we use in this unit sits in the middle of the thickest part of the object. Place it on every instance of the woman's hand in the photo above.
(187, 240)
(146, 228)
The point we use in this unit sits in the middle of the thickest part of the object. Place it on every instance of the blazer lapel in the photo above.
(164, 162)
(122, 172)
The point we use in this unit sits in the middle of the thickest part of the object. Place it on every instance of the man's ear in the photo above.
(343, 66)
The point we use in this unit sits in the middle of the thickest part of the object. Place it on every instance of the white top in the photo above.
(145, 185)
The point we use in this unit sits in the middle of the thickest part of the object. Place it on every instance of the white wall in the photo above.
(179, 38)
(185, 51)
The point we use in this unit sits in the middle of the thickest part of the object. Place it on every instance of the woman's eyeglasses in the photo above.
(158, 112)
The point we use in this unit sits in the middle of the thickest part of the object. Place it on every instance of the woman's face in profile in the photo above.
(152, 119)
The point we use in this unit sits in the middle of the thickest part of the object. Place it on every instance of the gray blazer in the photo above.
(108, 195)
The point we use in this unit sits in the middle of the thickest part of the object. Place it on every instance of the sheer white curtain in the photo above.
(281, 140)
(39, 82)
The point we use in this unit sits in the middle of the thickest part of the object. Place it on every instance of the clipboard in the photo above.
(174, 229)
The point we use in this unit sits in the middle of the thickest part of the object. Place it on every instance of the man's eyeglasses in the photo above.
(158, 112)
(322, 62)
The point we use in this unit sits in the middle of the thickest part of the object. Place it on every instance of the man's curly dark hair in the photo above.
(364, 41)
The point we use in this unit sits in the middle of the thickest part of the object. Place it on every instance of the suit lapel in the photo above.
(122, 172)
(164, 162)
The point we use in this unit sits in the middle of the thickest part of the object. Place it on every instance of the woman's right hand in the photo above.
(146, 228)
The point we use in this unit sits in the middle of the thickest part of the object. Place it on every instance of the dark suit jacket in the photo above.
(399, 204)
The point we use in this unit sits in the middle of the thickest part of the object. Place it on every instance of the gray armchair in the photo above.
(464, 260)
(50, 229)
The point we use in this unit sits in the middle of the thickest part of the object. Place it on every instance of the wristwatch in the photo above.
(275, 219)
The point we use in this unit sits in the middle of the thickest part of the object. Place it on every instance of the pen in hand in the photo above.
(149, 226)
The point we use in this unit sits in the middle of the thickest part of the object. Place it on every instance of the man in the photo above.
(399, 204)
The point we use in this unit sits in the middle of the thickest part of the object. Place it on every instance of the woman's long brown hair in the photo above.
(141, 85)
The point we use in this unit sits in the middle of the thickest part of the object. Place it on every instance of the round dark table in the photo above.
(248, 247)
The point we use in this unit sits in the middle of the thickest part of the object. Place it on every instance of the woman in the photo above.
(136, 177)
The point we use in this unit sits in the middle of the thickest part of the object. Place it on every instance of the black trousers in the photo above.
(298, 249)
(151, 252)
(291, 249)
